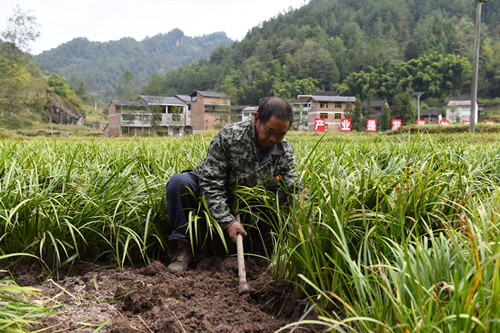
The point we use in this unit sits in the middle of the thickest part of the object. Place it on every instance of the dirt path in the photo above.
(151, 299)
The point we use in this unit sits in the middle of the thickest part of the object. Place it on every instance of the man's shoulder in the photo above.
(287, 146)
(236, 130)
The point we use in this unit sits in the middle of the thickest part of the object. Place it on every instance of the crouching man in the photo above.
(246, 153)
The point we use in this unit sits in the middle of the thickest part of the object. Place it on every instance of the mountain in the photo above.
(322, 44)
(370, 48)
(29, 97)
(101, 64)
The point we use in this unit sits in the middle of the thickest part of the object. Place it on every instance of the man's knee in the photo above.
(182, 183)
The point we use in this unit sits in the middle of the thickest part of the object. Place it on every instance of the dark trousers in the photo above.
(183, 191)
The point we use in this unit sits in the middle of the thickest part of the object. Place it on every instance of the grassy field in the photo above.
(389, 233)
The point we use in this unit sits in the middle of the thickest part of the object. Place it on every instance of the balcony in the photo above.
(161, 119)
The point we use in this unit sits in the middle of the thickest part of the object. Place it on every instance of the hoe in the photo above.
(243, 288)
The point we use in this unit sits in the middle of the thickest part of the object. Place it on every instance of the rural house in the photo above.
(329, 107)
(210, 110)
(246, 112)
(431, 116)
(458, 109)
(149, 114)
(374, 109)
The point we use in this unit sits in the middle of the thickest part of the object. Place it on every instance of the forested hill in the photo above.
(322, 44)
(100, 65)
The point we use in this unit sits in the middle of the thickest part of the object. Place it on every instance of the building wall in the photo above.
(328, 109)
(201, 119)
(115, 119)
(431, 119)
(458, 114)
(458, 111)
(197, 113)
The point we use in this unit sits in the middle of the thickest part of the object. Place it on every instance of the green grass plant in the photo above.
(388, 233)
(18, 312)
(397, 235)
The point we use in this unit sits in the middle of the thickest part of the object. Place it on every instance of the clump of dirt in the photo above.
(151, 299)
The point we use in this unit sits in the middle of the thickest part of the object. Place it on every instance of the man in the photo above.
(247, 153)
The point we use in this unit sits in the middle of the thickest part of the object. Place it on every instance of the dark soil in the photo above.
(151, 299)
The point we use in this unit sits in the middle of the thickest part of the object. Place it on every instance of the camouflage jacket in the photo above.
(233, 159)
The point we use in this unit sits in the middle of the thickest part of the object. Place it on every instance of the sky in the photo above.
(103, 20)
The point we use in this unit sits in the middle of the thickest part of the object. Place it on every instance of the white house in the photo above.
(459, 110)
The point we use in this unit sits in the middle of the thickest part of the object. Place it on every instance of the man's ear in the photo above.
(255, 117)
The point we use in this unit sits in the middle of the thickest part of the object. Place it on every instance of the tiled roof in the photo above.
(302, 100)
(333, 98)
(211, 94)
(125, 103)
(459, 98)
(431, 112)
(161, 100)
(459, 103)
(250, 108)
(184, 98)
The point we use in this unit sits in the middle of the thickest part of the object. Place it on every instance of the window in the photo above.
(217, 108)
(338, 115)
(323, 105)
(323, 115)
(173, 109)
(338, 106)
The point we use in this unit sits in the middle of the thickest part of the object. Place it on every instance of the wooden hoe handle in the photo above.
(244, 288)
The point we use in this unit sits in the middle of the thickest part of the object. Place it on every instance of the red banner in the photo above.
(319, 124)
(345, 125)
(371, 125)
(396, 123)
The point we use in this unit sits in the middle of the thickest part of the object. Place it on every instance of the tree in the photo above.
(356, 115)
(22, 29)
(402, 108)
(385, 119)
(127, 89)
(227, 86)
(60, 86)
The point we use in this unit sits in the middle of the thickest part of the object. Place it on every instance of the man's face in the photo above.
(271, 132)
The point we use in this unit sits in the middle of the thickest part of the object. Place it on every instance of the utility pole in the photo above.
(418, 94)
(475, 66)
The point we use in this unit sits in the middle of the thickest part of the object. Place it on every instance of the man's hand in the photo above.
(234, 229)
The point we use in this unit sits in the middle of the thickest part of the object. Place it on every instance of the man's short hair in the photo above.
(275, 106)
